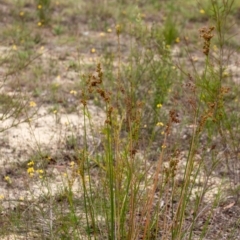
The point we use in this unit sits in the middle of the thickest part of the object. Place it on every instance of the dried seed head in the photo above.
(174, 116)
(206, 34)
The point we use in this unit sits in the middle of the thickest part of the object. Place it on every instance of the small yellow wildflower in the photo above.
(39, 24)
(177, 40)
(72, 164)
(145, 126)
(215, 48)
(87, 178)
(118, 28)
(195, 59)
(21, 14)
(168, 46)
(21, 198)
(160, 124)
(39, 6)
(162, 132)
(102, 34)
(7, 179)
(93, 50)
(164, 146)
(55, 111)
(32, 104)
(201, 11)
(30, 163)
(1, 197)
(30, 171)
(225, 73)
(41, 49)
(159, 105)
(40, 172)
(109, 30)
(73, 92)
(173, 67)
(14, 47)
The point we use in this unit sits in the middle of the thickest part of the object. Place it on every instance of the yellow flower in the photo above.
(72, 163)
(40, 171)
(1, 197)
(73, 92)
(225, 73)
(93, 50)
(201, 11)
(177, 40)
(39, 24)
(160, 124)
(109, 30)
(87, 178)
(102, 34)
(39, 6)
(30, 171)
(32, 104)
(7, 179)
(14, 47)
(164, 146)
(118, 28)
(21, 14)
(195, 59)
(41, 49)
(159, 105)
(31, 163)
(215, 48)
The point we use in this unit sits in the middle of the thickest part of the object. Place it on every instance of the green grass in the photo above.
(119, 121)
